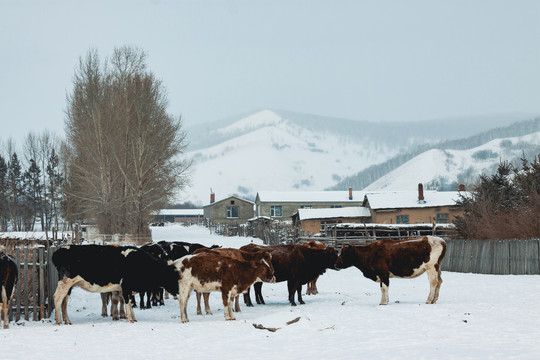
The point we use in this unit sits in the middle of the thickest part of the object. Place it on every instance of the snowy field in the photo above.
(476, 317)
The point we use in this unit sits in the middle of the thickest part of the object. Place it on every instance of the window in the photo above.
(306, 206)
(276, 210)
(402, 219)
(442, 218)
(232, 211)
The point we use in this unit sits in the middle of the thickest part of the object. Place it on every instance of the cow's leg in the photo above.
(385, 283)
(434, 278)
(228, 298)
(4, 308)
(258, 293)
(122, 304)
(130, 314)
(206, 298)
(237, 303)
(198, 296)
(60, 294)
(166, 295)
(114, 305)
(291, 286)
(299, 292)
(148, 299)
(183, 298)
(247, 298)
(161, 300)
(314, 286)
(65, 315)
(439, 283)
(104, 303)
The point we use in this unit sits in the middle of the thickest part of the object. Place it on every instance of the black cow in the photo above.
(102, 268)
(8, 277)
(295, 264)
(153, 298)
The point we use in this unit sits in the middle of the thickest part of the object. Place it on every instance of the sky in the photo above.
(362, 60)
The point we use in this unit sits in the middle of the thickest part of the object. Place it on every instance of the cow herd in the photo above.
(179, 268)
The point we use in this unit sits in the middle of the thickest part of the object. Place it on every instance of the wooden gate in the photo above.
(33, 294)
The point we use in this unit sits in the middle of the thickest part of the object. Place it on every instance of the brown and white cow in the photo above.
(385, 259)
(207, 272)
(312, 285)
(8, 277)
(233, 254)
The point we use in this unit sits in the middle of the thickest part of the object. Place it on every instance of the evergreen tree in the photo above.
(4, 212)
(15, 185)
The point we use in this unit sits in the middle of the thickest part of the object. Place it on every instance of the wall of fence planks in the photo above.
(33, 296)
(502, 257)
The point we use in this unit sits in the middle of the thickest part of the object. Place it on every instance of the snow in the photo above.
(452, 165)
(346, 212)
(310, 196)
(476, 317)
(277, 156)
(409, 199)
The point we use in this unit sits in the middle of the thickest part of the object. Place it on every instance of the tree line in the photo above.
(31, 184)
(504, 205)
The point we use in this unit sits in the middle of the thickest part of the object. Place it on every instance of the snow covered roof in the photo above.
(309, 196)
(409, 199)
(227, 198)
(181, 212)
(346, 212)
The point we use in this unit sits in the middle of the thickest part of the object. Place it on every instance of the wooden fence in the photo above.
(503, 257)
(34, 290)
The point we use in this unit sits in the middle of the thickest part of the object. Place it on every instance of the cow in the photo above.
(206, 272)
(231, 253)
(385, 259)
(176, 249)
(153, 298)
(9, 274)
(103, 268)
(311, 286)
(117, 301)
(295, 264)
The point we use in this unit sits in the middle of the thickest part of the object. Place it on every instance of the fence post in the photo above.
(35, 296)
(18, 257)
(41, 251)
(26, 286)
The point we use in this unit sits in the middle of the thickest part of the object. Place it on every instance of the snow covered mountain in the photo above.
(273, 153)
(445, 169)
(284, 151)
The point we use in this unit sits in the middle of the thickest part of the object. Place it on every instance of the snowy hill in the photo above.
(284, 151)
(445, 169)
(273, 153)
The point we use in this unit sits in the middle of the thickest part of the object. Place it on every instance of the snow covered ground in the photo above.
(476, 317)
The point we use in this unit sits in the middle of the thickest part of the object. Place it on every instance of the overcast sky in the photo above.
(364, 60)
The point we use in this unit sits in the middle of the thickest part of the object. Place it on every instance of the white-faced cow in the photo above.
(207, 272)
(102, 268)
(295, 264)
(385, 259)
(8, 277)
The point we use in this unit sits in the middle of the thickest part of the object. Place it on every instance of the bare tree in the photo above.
(123, 149)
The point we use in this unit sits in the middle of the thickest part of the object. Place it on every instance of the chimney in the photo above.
(461, 187)
(350, 193)
(421, 193)
(212, 198)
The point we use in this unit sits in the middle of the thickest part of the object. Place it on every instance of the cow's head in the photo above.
(345, 258)
(264, 265)
(330, 258)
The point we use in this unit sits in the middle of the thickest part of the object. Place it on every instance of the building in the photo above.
(313, 221)
(179, 216)
(281, 205)
(411, 207)
(230, 210)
